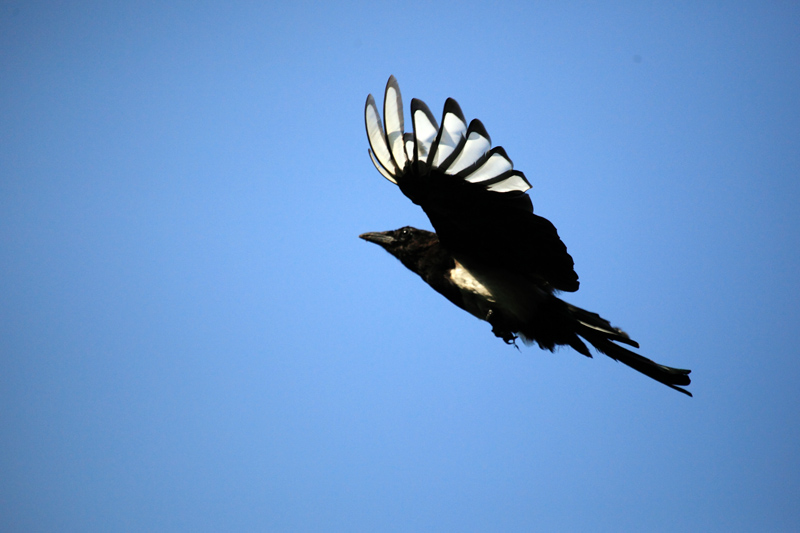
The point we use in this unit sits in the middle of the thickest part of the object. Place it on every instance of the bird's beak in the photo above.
(380, 238)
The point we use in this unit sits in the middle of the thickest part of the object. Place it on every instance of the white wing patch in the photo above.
(408, 140)
(383, 171)
(451, 135)
(453, 149)
(393, 121)
(425, 128)
(515, 182)
(497, 163)
(478, 143)
(377, 140)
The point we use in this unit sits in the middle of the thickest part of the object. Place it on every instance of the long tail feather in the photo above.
(601, 334)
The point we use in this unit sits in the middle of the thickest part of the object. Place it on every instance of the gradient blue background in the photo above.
(193, 338)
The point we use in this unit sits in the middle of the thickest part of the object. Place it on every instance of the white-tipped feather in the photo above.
(393, 121)
(377, 140)
(455, 149)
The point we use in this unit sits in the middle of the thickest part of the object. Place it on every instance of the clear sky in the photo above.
(193, 338)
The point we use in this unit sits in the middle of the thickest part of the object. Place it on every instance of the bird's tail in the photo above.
(602, 335)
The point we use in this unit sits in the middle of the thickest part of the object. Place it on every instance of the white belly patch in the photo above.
(504, 292)
(465, 281)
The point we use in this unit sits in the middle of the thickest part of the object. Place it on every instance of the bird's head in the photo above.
(406, 243)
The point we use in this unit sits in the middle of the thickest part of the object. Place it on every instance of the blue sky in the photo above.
(193, 338)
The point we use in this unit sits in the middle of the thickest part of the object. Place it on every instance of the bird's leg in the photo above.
(507, 336)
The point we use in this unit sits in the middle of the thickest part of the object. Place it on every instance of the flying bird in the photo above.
(490, 254)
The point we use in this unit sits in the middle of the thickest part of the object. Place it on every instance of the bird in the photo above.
(490, 254)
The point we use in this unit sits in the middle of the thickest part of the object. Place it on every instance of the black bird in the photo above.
(490, 255)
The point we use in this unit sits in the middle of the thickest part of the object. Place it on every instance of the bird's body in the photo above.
(490, 255)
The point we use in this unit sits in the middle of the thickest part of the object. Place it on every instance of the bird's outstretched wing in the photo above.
(475, 200)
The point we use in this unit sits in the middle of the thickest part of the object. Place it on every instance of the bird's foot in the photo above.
(507, 336)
